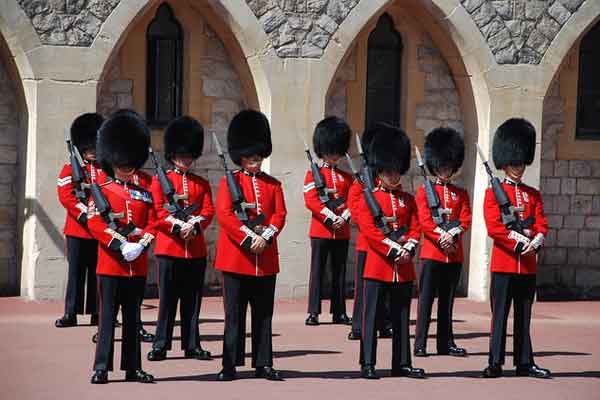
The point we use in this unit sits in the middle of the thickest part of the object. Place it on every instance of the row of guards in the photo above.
(115, 212)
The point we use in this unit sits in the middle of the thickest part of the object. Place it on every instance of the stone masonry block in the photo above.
(579, 168)
(588, 186)
(581, 204)
(590, 239)
(567, 238)
(568, 185)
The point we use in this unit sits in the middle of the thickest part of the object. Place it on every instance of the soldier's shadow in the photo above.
(383, 373)
(277, 354)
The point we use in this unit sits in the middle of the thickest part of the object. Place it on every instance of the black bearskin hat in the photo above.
(332, 136)
(84, 131)
(514, 143)
(123, 140)
(183, 135)
(444, 148)
(249, 134)
(389, 149)
(367, 137)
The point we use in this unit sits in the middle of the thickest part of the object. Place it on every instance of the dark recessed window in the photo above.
(164, 67)
(588, 91)
(384, 54)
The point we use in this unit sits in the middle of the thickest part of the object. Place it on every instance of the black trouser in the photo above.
(520, 289)
(361, 258)
(336, 250)
(238, 292)
(82, 255)
(400, 294)
(179, 279)
(126, 292)
(384, 318)
(441, 278)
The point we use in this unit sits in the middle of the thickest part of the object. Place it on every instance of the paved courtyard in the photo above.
(43, 362)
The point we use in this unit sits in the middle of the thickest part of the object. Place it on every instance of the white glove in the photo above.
(137, 232)
(131, 251)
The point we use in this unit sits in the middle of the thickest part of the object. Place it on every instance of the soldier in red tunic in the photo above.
(183, 216)
(442, 251)
(329, 226)
(82, 248)
(355, 194)
(392, 239)
(123, 221)
(518, 228)
(251, 213)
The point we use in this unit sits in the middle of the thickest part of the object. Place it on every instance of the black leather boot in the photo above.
(198, 353)
(66, 321)
(100, 377)
(312, 320)
(268, 373)
(138, 376)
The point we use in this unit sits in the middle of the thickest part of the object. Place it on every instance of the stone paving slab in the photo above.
(43, 362)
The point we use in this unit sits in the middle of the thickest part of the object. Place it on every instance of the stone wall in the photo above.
(115, 91)
(9, 161)
(570, 261)
(68, 22)
(520, 31)
(300, 28)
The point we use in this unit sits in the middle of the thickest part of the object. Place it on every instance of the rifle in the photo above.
(510, 218)
(172, 205)
(237, 197)
(367, 173)
(104, 209)
(433, 200)
(78, 172)
(381, 221)
(322, 190)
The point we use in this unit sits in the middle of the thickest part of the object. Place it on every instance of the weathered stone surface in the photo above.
(571, 5)
(567, 238)
(441, 104)
(593, 222)
(588, 186)
(596, 205)
(568, 185)
(581, 204)
(579, 168)
(520, 31)
(590, 239)
(559, 12)
(121, 86)
(577, 256)
(555, 221)
(70, 23)
(554, 256)
(574, 221)
(301, 28)
(561, 168)
(550, 238)
(550, 185)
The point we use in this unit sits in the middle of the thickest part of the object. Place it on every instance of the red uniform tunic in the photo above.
(380, 263)
(355, 194)
(136, 205)
(453, 199)
(75, 208)
(334, 179)
(504, 258)
(198, 192)
(266, 193)
(142, 179)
